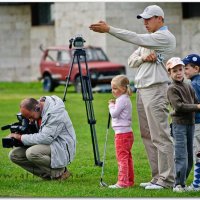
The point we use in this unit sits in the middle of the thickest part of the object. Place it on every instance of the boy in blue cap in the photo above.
(192, 69)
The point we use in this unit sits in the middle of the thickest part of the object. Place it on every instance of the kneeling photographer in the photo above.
(47, 152)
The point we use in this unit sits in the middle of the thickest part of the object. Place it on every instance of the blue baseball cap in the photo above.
(192, 58)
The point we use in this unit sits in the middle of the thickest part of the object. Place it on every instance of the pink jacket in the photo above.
(121, 113)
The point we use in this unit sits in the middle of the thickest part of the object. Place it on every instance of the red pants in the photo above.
(123, 145)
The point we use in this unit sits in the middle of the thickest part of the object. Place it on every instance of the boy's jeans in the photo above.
(183, 138)
(123, 145)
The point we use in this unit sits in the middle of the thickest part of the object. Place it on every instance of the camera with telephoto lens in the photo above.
(23, 126)
(77, 42)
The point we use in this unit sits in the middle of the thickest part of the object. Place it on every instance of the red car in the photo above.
(56, 63)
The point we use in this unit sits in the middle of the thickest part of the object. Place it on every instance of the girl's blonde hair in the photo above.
(122, 81)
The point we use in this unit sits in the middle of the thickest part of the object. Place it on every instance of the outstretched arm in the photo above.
(100, 27)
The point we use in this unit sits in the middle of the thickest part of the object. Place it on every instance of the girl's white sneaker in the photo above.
(115, 186)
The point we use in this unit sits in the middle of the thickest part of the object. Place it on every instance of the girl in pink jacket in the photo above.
(121, 112)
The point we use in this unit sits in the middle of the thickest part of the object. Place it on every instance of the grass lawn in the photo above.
(15, 182)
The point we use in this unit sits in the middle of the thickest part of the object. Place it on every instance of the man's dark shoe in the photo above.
(64, 176)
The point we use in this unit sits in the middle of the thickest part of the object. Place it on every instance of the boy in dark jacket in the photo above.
(184, 103)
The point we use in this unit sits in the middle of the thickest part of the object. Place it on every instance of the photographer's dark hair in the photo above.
(29, 103)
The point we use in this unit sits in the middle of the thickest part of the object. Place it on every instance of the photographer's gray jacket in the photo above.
(57, 131)
(162, 42)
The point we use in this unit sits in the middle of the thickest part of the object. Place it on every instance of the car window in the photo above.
(93, 54)
(51, 55)
(64, 57)
(101, 55)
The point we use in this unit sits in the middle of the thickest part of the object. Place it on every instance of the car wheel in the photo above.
(77, 84)
(48, 84)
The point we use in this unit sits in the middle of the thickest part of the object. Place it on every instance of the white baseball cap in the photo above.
(151, 11)
(174, 61)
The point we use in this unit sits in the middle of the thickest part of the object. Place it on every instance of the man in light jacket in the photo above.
(46, 153)
(155, 48)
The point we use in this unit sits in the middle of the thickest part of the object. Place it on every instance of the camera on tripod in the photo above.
(77, 42)
(21, 127)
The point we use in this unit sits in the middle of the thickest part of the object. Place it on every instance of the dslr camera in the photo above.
(21, 127)
(77, 42)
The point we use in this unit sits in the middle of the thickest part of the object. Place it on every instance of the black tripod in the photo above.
(87, 97)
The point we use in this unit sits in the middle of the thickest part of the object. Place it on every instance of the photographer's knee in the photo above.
(11, 156)
(15, 154)
(30, 155)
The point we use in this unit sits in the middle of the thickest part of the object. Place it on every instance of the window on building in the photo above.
(190, 10)
(42, 14)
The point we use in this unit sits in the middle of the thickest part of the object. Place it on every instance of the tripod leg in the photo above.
(68, 78)
(91, 118)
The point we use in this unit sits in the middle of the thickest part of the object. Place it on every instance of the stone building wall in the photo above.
(71, 20)
(15, 43)
(40, 35)
(190, 31)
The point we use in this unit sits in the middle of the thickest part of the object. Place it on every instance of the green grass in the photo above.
(15, 182)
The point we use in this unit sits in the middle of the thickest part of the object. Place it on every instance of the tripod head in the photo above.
(77, 42)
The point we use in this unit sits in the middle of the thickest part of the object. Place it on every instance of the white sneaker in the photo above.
(114, 186)
(179, 188)
(154, 187)
(191, 188)
(145, 184)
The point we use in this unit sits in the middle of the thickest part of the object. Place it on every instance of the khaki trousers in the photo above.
(35, 159)
(153, 113)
